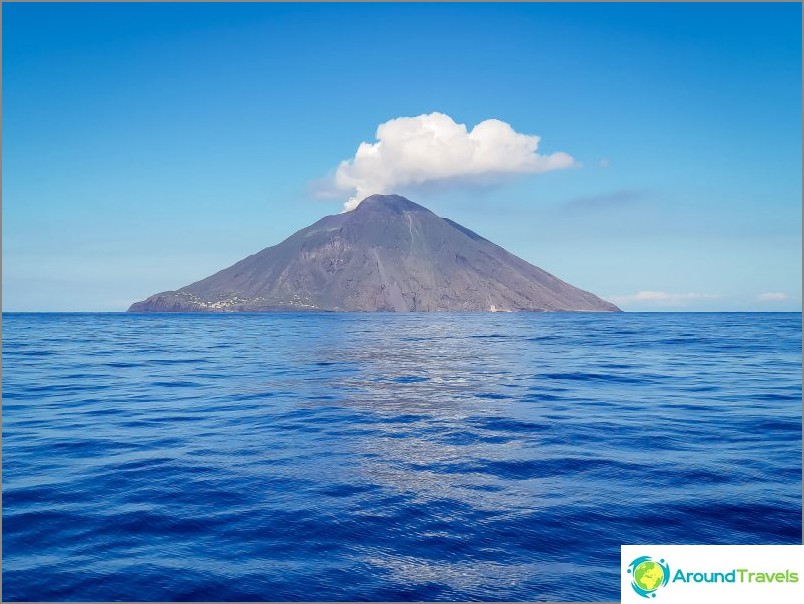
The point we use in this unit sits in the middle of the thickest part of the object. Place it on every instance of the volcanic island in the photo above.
(388, 254)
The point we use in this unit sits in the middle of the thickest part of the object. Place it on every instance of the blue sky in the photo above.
(146, 146)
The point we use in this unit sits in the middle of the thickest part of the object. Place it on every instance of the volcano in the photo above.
(388, 254)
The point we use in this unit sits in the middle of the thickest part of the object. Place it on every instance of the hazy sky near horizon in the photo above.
(146, 146)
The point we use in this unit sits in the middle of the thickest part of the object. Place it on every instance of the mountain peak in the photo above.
(394, 203)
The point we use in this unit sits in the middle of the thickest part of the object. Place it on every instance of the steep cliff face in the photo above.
(389, 254)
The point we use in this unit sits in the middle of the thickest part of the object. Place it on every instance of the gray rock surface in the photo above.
(388, 254)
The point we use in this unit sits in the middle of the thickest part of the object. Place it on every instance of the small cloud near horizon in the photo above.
(772, 297)
(433, 148)
(662, 298)
(623, 197)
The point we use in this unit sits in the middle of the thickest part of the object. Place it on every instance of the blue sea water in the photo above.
(387, 456)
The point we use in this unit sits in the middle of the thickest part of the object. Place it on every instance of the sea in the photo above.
(387, 457)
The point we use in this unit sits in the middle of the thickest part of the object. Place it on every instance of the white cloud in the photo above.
(772, 297)
(412, 151)
(603, 163)
(662, 298)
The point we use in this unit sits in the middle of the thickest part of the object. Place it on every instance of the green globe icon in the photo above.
(649, 575)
